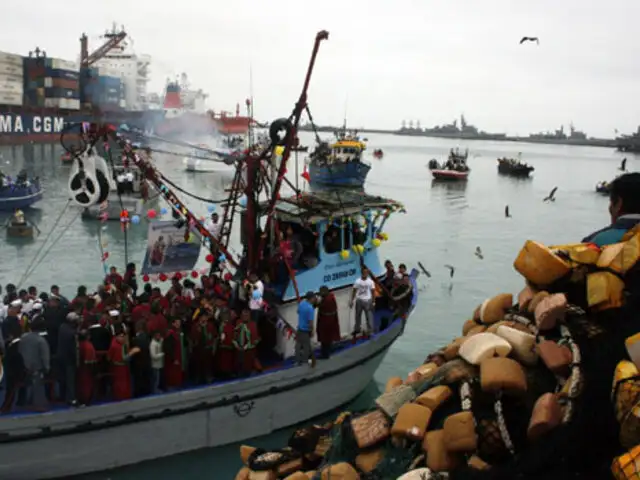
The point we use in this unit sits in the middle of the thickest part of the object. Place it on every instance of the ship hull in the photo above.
(449, 175)
(12, 198)
(515, 170)
(352, 174)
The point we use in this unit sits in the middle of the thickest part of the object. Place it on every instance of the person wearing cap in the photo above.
(328, 323)
(67, 357)
(304, 333)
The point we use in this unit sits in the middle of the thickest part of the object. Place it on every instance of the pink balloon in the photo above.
(204, 271)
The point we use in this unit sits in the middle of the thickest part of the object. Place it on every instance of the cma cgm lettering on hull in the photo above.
(26, 124)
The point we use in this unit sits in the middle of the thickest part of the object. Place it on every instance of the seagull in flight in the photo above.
(551, 196)
(478, 253)
(529, 39)
(424, 270)
(506, 211)
(452, 270)
(623, 164)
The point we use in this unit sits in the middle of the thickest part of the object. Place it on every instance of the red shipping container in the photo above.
(63, 83)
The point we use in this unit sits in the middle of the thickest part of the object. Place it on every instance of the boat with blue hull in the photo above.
(20, 195)
(340, 164)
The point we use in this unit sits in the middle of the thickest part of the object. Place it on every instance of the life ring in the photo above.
(278, 126)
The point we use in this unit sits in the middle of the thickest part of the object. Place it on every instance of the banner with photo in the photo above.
(167, 250)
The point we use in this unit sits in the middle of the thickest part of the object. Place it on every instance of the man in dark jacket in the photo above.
(54, 316)
(13, 370)
(624, 208)
(35, 353)
(67, 357)
(141, 362)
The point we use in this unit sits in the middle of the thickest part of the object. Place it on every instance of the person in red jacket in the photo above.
(119, 356)
(328, 325)
(226, 354)
(174, 356)
(157, 322)
(204, 339)
(86, 369)
(113, 278)
(156, 294)
(245, 341)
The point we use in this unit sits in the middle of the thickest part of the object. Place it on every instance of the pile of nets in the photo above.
(545, 385)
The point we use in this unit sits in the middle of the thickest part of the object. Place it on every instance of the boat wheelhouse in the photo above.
(340, 163)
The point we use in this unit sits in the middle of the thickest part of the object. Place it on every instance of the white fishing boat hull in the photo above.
(198, 165)
(79, 441)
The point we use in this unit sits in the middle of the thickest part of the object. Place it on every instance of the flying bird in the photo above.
(551, 196)
(452, 270)
(529, 39)
(424, 270)
(479, 253)
(623, 164)
(506, 211)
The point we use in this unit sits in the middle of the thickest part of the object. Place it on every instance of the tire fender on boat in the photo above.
(88, 181)
(278, 126)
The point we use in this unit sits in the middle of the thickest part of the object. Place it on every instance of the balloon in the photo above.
(162, 276)
(194, 274)
(222, 258)
(344, 254)
(211, 208)
(384, 236)
(151, 214)
(243, 201)
(279, 150)
(154, 278)
(204, 271)
(135, 219)
(145, 278)
(209, 258)
(178, 276)
(257, 295)
(191, 238)
(376, 242)
(228, 276)
(163, 210)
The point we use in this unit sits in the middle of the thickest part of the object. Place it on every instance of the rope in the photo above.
(124, 226)
(189, 194)
(55, 224)
(64, 230)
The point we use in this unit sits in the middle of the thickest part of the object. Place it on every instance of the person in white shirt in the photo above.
(214, 225)
(157, 360)
(255, 301)
(362, 293)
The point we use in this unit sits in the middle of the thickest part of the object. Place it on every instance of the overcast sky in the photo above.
(387, 61)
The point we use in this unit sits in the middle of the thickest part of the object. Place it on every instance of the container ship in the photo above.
(40, 95)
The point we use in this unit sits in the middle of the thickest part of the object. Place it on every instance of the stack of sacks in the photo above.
(512, 363)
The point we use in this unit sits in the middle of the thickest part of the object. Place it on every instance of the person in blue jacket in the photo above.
(624, 207)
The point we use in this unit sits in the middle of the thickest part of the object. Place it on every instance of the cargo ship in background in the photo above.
(39, 95)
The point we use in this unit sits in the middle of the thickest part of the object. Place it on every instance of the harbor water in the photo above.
(444, 224)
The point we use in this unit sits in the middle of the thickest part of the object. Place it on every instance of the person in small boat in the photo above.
(175, 356)
(67, 357)
(18, 218)
(362, 297)
(304, 333)
(87, 360)
(37, 362)
(624, 208)
(245, 340)
(119, 356)
(328, 326)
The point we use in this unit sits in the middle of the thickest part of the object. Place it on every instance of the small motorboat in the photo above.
(603, 188)
(378, 153)
(455, 168)
(514, 167)
(21, 193)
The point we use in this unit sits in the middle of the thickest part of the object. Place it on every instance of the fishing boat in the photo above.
(340, 163)
(21, 193)
(378, 153)
(514, 167)
(455, 168)
(346, 229)
(603, 187)
(203, 159)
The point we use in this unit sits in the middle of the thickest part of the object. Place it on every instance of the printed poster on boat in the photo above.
(167, 250)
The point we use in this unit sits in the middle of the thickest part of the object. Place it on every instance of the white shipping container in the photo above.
(13, 70)
(11, 87)
(63, 103)
(11, 79)
(10, 99)
(11, 59)
(59, 64)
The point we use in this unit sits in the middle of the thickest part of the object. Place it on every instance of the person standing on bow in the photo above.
(328, 323)
(362, 293)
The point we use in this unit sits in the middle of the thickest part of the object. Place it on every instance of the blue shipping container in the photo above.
(89, 73)
(114, 82)
(57, 73)
(61, 93)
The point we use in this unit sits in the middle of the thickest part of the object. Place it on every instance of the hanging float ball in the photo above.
(209, 258)
(162, 277)
(151, 213)
(376, 242)
(178, 276)
(344, 254)
(135, 219)
(145, 278)
(384, 236)
(211, 208)
(164, 211)
(191, 238)
(243, 201)
(279, 150)
(256, 295)
(228, 276)
(194, 274)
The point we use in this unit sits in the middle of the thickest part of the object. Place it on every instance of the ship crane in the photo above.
(113, 40)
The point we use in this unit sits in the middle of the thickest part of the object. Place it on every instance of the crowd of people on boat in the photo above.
(21, 181)
(120, 343)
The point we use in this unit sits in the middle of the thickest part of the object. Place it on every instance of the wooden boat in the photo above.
(454, 169)
(341, 163)
(20, 230)
(514, 167)
(603, 188)
(284, 393)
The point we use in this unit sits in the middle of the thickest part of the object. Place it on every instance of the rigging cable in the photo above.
(124, 225)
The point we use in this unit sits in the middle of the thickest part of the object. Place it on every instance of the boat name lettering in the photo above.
(339, 275)
(331, 266)
(37, 124)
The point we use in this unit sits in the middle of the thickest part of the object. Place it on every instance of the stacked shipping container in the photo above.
(102, 91)
(51, 83)
(11, 79)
